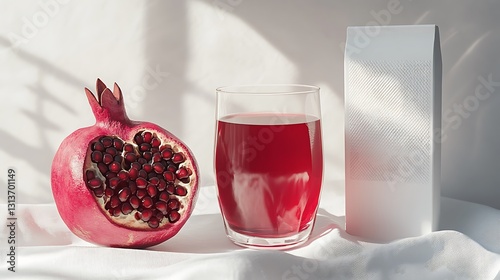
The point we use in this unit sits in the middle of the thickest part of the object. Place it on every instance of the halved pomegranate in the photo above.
(123, 183)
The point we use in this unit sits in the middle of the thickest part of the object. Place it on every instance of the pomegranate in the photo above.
(123, 183)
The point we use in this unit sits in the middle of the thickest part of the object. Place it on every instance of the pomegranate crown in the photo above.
(108, 106)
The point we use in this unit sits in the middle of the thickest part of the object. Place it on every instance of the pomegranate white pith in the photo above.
(123, 183)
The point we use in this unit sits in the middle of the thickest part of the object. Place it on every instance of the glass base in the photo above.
(277, 243)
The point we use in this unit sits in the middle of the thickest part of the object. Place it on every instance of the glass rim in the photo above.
(245, 89)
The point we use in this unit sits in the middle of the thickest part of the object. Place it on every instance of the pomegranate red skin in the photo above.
(76, 204)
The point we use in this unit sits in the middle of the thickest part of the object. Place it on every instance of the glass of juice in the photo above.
(268, 163)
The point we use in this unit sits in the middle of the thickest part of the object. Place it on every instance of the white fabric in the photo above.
(466, 247)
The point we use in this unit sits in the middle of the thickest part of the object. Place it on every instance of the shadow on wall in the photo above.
(166, 49)
(40, 156)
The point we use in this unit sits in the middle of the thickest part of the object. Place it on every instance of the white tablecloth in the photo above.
(467, 246)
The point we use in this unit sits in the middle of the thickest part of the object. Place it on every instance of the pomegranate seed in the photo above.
(132, 186)
(114, 201)
(162, 185)
(157, 157)
(182, 173)
(99, 192)
(128, 148)
(173, 216)
(138, 139)
(158, 167)
(107, 158)
(147, 155)
(115, 211)
(180, 191)
(141, 193)
(103, 168)
(177, 158)
(118, 144)
(133, 173)
(159, 215)
(109, 192)
(152, 191)
(152, 175)
(147, 136)
(161, 206)
(144, 147)
(154, 150)
(135, 202)
(106, 141)
(124, 194)
(146, 214)
(167, 153)
(154, 181)
(147, 202)
(112, 151)
(147, 167)
(110, 175)
(118, 158)
(170, 188)
(106, 206)
(136, 165)
(171, 168)
(141, 183)
(113, 182)
(143, 174)
(185, 180)
(122, 184)
(90, 174)
(123, 175)
(95, 183)
(173, 204)
(164, 196)
(126, 208)
(130, 157)
(169, 176)
(153, 222)
(96, 156)
(115, 167)
(137, 215)
(97, 146)
(155, 142)
(142, 161)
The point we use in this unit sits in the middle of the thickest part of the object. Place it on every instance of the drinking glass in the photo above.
(268, 163)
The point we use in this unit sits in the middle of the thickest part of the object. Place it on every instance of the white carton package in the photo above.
(392, 131)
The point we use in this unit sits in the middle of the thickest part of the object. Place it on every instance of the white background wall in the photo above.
(50, 50)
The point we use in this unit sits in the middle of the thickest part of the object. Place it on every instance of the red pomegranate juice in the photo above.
(269, 172)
